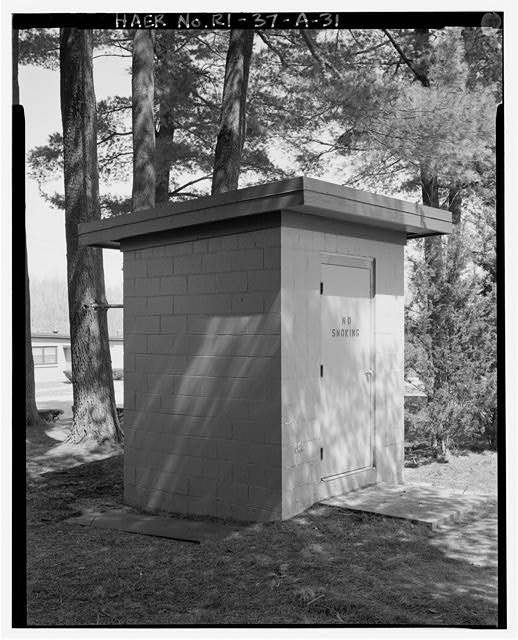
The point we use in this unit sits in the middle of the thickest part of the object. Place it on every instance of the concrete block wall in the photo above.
(303, 240)
(222, 355)
(202, 376)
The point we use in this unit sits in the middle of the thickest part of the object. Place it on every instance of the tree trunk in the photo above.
(231, 136)
(94, 411)
(429, 186)
(164, 155)
(433, 246)
(422, 60)
(421, 66)
(430, 196)
(16, 55)
(444, 447)
(165, 93)
(32, 417)
(455, 203)
(143, 91)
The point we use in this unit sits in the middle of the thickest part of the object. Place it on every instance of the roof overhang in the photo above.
(300, 195)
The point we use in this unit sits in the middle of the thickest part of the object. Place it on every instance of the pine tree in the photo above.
(143, 94)
(32, 417)
(94, 412)
(231, 135)
(451, 347)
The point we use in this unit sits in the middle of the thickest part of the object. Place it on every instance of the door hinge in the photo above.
(321, 288)
(321, 370)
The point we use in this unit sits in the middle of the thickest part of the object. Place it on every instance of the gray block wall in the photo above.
(222, 384)
(303, 241)
(202, 376)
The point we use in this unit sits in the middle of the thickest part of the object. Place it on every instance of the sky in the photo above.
(39, 95)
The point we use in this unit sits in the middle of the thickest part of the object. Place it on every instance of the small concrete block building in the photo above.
(263, 348)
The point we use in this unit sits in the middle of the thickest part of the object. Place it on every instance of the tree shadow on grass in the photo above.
(326, 566)
(474, 539)
(57, 495)
(365, 569)
(47, 450)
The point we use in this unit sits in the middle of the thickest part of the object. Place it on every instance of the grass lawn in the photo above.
(326, 566)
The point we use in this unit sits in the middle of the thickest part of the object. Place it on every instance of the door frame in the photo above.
(361, 262)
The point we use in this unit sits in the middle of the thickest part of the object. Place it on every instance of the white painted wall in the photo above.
(303, 241)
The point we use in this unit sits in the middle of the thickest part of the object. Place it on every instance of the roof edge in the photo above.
(308, 195)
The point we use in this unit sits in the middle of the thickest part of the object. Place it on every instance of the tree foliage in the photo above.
(451, 344)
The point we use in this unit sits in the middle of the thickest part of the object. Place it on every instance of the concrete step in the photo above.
(420, 503)
(182, 529)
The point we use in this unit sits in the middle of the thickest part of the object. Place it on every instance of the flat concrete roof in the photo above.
(301, 195)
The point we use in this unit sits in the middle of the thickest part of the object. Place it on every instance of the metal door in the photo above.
(346, 368)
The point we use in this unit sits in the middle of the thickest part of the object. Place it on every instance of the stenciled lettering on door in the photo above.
(347, 330)
(346, 424)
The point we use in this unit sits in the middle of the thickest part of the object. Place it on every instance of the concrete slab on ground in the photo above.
(420, 503)
(182, 529)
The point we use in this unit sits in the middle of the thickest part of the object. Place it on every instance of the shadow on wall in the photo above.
(213, 395)
(326, 419)
(206, 438)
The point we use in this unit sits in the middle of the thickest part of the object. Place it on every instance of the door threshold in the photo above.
(345, 473)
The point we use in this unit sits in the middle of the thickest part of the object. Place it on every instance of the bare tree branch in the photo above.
(318, 56)
(271, 46)
(188, 184)
(207, 103)
(109, 159)
(422, 78)
(369, 49)
(114, 134)
(126, 107)
(211, 49)
(354, 37)
(112, 55)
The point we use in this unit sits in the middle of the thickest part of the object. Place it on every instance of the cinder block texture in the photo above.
(203, 349)
(307, 412)
(223, 353)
